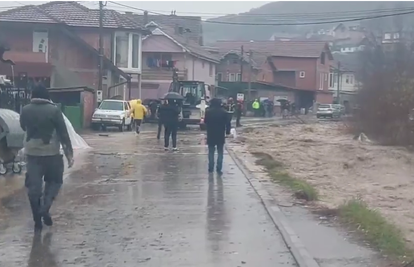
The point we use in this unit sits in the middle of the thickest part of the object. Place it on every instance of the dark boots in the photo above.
(37, 218)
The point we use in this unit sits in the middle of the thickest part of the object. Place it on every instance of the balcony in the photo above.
(162, 75)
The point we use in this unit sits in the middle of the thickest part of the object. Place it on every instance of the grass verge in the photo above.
(380, 233)
(383, 235)
(278, 174)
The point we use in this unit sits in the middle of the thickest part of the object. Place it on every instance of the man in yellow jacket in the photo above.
(139, 112)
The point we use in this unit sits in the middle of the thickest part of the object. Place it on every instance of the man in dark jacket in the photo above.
(45, 130)
(217, 124)
(239, 111)
(169, 116)
(159, 119)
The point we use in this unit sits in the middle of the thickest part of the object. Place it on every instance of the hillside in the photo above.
(291, 12)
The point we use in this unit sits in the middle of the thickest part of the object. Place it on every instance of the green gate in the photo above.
(74, 115)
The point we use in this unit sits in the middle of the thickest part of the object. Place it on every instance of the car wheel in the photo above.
(17, 168)
(202, 127)
(318, 117)
(122, 126)
(3, 169)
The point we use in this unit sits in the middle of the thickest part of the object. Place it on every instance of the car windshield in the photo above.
(325, 106)
(111, 105)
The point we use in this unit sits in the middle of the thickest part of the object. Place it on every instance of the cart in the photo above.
(11, 141)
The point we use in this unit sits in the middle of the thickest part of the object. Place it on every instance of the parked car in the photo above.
(328, 111)
(112, 113)
(340, 107)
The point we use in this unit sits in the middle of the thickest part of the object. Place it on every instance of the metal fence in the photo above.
(14, 98)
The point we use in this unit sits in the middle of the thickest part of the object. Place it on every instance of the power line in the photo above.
(275, 15)
(330, 21)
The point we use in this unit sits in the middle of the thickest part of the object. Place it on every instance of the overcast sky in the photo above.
(182, 8)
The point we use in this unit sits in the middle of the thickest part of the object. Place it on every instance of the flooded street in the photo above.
(132, 204)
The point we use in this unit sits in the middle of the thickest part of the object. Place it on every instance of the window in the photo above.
(238, 77)
(40, 41)
(387, 36)
(302, 74)
(122, 49)
(351, 79)
(210, 69)
(231, 77)
(111, 105)
(202, 64)
(323, 58)
(347, 79)
(219, 76)
(196, 90)
(126, 106)
(126, 50)
(135, 51)
(331, 80)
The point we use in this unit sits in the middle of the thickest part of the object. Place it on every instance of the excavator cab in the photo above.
(196, 95)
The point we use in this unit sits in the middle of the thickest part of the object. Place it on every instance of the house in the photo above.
(59, 41)
(350, 45)
(192, 24)
(345, 80)
(302, 66)
(170, 47)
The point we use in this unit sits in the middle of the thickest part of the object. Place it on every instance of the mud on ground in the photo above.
(342, 168)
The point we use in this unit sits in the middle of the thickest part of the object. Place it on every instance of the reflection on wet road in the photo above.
(132, 204)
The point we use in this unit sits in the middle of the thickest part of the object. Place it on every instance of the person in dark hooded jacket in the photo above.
(217, 121)
(169, 115)
(46, 131)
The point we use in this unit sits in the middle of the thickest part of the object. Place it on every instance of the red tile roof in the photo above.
(309, 49)
(70, 13)
(264, 49)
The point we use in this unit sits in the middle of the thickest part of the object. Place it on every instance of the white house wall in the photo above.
(197, 72)
(344, 87)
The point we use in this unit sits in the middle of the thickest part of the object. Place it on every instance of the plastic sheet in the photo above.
(77, 141)
(233, 133)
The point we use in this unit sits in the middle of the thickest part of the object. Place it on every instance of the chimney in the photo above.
(145, 17)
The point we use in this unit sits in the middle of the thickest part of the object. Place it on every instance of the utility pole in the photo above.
(101, 5)
(250, 76)
(338, 88)
(241, 64)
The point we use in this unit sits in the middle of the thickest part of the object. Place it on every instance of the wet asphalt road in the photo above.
(132, 204)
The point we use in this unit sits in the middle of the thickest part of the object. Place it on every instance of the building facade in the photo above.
(168, 48)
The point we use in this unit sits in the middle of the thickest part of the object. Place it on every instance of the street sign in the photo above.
(240, 97)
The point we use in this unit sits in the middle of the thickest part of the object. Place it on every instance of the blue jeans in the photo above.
(211, 151)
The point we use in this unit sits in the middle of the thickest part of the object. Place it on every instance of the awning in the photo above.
(32, 69)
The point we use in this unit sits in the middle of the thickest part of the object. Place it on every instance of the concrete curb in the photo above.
(292, 240)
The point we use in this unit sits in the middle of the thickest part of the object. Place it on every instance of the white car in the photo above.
(112, 113)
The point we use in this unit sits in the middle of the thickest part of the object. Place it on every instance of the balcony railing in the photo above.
(163, 74)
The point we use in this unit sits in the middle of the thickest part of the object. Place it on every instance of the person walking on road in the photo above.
(218, 126)
(45, 131)
(139, 112)
(160, 120)
(169, 115)
(239, 111)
